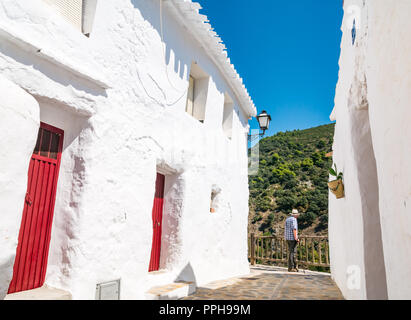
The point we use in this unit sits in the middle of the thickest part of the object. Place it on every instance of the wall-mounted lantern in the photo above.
(264, 122)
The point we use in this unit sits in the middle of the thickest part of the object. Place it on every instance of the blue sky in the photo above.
(287, 54)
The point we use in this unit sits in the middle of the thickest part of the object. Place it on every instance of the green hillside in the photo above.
(293, 173)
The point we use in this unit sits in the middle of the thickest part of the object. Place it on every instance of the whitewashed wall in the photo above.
(19, 116)
(124, 118)
(369, 229)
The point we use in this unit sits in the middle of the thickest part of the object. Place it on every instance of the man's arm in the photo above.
(295, 235)
(295, 230)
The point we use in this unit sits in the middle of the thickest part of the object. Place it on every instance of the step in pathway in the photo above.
(172, 291)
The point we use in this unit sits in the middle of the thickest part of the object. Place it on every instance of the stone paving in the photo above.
(271, 283)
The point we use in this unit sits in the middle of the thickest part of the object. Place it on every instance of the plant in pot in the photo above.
(336, 186)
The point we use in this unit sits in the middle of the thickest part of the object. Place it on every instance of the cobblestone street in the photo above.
(271, 283)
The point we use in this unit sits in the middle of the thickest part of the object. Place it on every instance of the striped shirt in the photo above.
(290, 225)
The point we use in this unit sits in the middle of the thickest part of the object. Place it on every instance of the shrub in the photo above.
(307, 163)
(306, 219)
(256, 218)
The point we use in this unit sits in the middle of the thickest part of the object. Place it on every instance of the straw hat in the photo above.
(294, 212)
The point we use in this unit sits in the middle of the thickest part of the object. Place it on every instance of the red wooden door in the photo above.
(157, 215)
(30, 263)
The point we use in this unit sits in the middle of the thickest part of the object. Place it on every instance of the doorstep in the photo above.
(43, 293)
(172, 291)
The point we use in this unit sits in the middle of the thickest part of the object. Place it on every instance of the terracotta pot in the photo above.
(337, 187)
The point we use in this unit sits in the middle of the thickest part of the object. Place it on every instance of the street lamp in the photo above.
(264, 122)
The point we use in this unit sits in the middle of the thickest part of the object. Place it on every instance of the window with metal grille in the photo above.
(47, 144)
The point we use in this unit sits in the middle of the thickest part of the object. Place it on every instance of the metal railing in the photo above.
(311, 250)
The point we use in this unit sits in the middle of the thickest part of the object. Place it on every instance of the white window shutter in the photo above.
(71, 10)
(190, 97)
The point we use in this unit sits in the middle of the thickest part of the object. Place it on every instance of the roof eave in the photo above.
(187, 13)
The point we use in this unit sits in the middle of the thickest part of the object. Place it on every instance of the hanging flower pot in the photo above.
(336, 186)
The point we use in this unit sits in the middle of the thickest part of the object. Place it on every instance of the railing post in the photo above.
(273, 249)
(252, 245)
(326, 252)
(319, 250)
(312, 247)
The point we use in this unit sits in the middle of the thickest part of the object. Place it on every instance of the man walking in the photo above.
(291, 236)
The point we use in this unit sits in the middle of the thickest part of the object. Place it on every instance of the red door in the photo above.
(157, 223)
(30, 263)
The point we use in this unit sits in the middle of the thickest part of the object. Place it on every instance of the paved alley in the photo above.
(271, 283)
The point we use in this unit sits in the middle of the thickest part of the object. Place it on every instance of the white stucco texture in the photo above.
(19, 117)
(369, 229)
(120, 97)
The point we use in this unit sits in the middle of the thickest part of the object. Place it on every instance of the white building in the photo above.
(370, 228)
(115, 97)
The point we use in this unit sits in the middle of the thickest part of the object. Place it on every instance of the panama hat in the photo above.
(295, 211)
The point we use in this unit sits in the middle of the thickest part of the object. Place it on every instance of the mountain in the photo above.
(292, 173)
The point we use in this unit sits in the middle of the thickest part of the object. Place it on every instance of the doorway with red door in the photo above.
(157, 218)
(30, 264)
(166, 219)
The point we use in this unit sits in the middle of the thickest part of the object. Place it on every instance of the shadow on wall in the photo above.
(375, 275)
(31, 61)
(58, 114)
(175, 39)
(150, 11)
(171, 241)
(187, 275)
